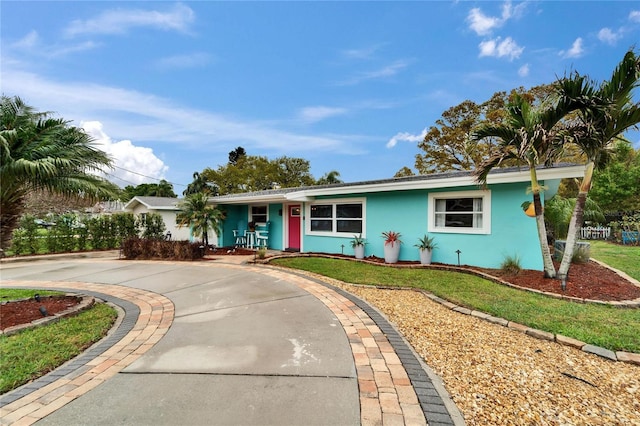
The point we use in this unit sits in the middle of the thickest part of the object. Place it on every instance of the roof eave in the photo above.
(244, 199)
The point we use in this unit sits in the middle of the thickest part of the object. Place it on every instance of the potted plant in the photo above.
(426, 245)
(392, 244)
(358, 246)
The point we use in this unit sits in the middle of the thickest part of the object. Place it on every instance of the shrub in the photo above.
(581, 254)
(628, 223)
(31, 228)
(262, 253)
(19, 242)
(141, 248)
(152, 226)
(511, 265)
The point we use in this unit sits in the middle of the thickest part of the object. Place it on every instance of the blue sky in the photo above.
(169, 88)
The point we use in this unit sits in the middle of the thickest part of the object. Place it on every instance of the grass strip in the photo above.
(30, 354)
(7, 294)
(624, 258)
(605, 326)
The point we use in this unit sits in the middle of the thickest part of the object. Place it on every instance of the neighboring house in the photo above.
(165, 207)
(485, 224)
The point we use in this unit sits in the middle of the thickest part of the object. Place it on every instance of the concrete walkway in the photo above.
(222, 343)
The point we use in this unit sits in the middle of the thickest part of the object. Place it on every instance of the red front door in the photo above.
(294, 227)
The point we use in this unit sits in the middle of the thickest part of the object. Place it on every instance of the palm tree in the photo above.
(528, 136)
(162, 189)
(199, 184)
(559, 210)
(329, 178)
(38, 152)
(604, 114)
(200, 216)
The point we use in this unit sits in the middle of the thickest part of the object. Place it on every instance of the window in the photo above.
(465, 212)
(336, 217)
(259, 214)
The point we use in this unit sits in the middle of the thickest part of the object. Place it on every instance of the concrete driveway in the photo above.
(246, 345)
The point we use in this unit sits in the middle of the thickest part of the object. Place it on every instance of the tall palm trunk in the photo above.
(576, 221)
(549, 269)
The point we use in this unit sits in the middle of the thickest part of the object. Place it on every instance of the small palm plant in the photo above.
(426, 243)
(358, 246)
(358, 241)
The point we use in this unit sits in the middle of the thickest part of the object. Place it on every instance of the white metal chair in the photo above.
(262, 239)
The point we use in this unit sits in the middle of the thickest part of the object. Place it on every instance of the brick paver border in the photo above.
(147, 317)
(395, 386)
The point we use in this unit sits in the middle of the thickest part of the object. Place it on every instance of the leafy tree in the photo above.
(257, 173)
(291, 172)
(329, 178)
(40, 152)
(616, 187)
(200, 216)
(531, 136)
(404, 172)
(605, 112)
(449, 144)
(236, 155)
(161, 189)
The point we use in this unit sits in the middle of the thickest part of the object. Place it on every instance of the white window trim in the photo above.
(251, 213)
(333, 202)
(486, 211)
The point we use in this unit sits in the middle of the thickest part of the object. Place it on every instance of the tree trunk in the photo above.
(576, 221)
(549, 269)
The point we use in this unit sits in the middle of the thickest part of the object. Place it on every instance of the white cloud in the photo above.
(28, 42)
(191, 60)
(133, 164)
(634, 16)
(146, 118)
(362, 53)
(523, 71)
(576, 50)
(387, 71)
(119, 21)
(497, 48)
(33, 44)
(406, 137)
(482, 24)
(318, 113)
(605, 35)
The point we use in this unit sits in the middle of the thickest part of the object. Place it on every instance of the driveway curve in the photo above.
(217, 343)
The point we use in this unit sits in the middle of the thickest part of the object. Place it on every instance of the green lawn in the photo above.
(604, 326)
(624, 258)
(30, 354)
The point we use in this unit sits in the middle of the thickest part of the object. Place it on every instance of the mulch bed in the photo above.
(586, 280)
(25, 311)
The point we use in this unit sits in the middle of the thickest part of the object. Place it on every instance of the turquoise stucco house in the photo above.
(484, 224)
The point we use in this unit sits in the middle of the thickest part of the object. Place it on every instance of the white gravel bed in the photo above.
(499, 376)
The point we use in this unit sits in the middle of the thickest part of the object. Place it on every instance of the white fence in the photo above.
(595, 233)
